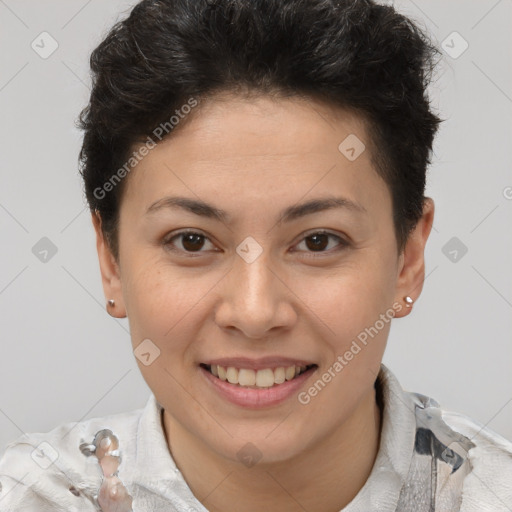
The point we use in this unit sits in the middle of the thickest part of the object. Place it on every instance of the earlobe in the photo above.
(412, 272)
(110, 274)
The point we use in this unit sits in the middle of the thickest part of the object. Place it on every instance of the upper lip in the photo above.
(258, 364)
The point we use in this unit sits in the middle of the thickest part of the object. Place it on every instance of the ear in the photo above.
(110, 274)
(411, 269)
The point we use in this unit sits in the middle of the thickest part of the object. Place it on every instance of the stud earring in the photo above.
(111, 302)
(408, 301)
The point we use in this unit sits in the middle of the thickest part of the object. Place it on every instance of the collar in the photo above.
(381, 490)
(150, 464)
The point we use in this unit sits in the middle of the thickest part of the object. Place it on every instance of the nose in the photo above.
(255, 299)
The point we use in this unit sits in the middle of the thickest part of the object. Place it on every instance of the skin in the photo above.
(253, 158)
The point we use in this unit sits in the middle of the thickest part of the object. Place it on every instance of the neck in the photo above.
(324, 478)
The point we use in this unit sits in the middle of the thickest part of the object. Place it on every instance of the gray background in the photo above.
(65, 359)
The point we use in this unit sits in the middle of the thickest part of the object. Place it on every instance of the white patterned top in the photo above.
(428, 460)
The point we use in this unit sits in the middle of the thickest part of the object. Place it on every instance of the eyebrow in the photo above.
(293, 212)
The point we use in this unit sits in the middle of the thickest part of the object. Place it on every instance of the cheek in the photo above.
(357, 308)
(164, 302)
(352, 296)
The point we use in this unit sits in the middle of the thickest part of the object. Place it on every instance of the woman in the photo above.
(256, 174)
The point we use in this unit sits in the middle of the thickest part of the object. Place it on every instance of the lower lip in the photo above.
(257, 398)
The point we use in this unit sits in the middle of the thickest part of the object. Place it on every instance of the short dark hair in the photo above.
(355, 54)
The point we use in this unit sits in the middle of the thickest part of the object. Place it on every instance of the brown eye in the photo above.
(321, 242)
(317, 242)
(192, 241)
(187, 241)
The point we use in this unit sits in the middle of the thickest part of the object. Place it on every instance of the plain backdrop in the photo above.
(63, 358)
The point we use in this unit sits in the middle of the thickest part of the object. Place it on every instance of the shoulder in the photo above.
(472, 464)
(489, 484)
(48, 471)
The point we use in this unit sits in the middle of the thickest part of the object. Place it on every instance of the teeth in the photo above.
(232, 375)
(246, 377)
(279, 375)
(222, 372)
(290, 372)
(265, 378)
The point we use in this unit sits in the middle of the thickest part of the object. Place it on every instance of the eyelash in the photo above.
(342, 243)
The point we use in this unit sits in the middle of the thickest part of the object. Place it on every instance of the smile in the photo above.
(256, 379)
(256, 388)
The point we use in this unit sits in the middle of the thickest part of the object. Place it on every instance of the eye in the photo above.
(190, 241)
(318, 242)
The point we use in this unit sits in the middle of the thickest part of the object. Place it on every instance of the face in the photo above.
(259, 283)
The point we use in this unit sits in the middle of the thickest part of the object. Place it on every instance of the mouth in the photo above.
(262, 378)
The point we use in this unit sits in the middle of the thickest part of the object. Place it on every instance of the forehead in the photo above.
(280, 147)
(266, 125)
